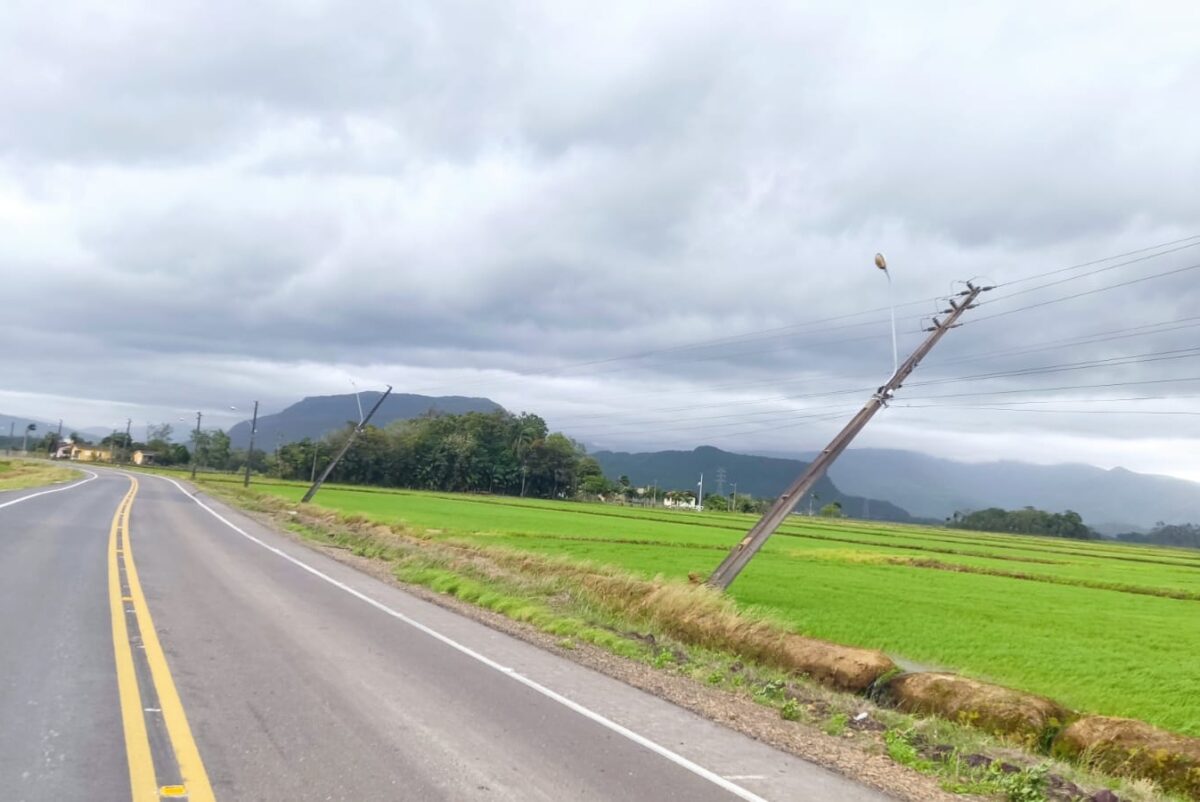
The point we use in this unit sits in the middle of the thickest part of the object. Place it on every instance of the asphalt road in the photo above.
(185, 645)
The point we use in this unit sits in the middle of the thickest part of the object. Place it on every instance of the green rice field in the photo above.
(1102, 627)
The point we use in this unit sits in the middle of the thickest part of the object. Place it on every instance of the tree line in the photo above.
(1027, 521)
(492, 452)
(1186, 535)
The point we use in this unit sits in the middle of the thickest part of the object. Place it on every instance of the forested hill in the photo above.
(316, 416)
(764, 477)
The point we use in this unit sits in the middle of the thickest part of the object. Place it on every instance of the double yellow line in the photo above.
(143, 779)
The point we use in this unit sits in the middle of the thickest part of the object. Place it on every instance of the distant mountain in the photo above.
(765, 477)
(17, 423)
(317, 415)
(1116, 500)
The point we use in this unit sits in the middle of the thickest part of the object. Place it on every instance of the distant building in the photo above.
(91, 454)
(679, 501)
(141, 457)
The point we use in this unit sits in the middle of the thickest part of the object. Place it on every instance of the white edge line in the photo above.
(55, 490)
(625, 732)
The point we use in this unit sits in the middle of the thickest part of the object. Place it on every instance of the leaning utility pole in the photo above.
(196, 446)
(744, 551)
(250, 450)
(312, 491)
(128, 438)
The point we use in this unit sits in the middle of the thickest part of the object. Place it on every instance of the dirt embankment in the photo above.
(1131, 748)
(994, 709)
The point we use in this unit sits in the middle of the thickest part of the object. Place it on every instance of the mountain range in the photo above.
(897, 485)
(764, 477)
(316, 416)
(17, 424)
(1110, 500)
(885, 484)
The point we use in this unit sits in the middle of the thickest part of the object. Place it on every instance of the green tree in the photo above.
(161, 432)
(219, 450)
(1027, 521)
(595, 485)
(832, 510)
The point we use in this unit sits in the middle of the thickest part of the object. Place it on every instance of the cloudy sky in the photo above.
(652, 223)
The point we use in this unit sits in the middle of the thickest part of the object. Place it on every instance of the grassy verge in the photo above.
(578, 602)
(17, 474)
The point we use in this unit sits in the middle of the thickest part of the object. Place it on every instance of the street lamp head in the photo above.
(880, 262)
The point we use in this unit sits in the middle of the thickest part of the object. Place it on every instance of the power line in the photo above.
(1136, 359)
(1077, 400)
(1086, 339)
(1149, 357)
(1053, 411)
(1082, 265)
(1100, 386)
(1073, 296)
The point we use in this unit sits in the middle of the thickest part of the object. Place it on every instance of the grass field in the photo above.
(1101, 627)
(16, 474)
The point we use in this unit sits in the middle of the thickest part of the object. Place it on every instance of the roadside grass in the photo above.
(17, 474)
(547, 593)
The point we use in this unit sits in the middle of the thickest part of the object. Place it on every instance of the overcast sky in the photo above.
(206, 204)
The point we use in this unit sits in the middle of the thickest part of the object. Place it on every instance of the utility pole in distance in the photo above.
(196, 446)
(312, 491)
(747, 547)
(250, 450)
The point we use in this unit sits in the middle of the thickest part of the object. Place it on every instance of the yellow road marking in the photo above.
(191, 767)
(137, 744)
(195, 784)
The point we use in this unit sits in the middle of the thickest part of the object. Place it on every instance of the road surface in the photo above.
(159, 645)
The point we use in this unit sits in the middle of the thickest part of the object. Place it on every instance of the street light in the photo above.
(881, 263)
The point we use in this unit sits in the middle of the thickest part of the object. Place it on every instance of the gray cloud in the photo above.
(215, 201)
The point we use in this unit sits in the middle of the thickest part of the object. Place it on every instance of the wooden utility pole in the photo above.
(744, 551)
(196, 446)
(312, 491)
(250, 450)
